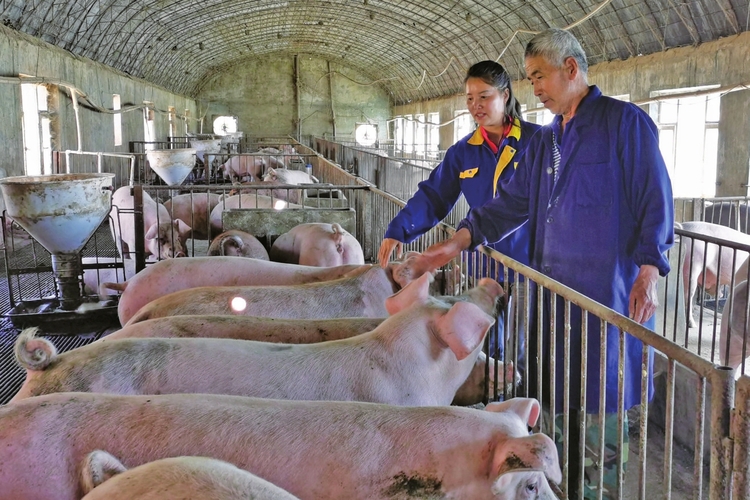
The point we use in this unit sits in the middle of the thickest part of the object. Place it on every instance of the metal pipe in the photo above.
(74, 98)
(722, 400)
(741, 437)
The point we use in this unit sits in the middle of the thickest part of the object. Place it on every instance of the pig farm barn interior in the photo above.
(136, 134)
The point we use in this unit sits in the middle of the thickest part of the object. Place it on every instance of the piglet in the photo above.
(419, 356)
(312, 449)
(103, 477)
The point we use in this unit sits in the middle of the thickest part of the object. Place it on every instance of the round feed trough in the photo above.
(60, 211)
(172, 165)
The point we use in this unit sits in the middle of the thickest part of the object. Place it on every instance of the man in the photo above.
(597, 196)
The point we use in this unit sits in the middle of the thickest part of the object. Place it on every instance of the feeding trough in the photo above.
(61, 212)
(208, 146)
(172, 165)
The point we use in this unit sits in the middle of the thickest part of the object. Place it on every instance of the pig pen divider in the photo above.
(713, 412)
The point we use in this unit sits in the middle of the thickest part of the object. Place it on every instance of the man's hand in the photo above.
(386, 249)
(441, 253)
(643, 295)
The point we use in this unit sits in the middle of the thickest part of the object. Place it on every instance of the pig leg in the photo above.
(691, 275)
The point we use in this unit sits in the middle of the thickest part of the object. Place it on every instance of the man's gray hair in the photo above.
(556, 45)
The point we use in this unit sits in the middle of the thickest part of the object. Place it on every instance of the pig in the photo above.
(243, 201)
(419, 356)
(195, 209)
(167, 276)
(248, 166)
(164, 237)
(307, 331)
(286, 176)
(317, 244)
(238, 244)
(312, 449)
(363, 294)
(103, 477)
(93, 278)
(287, 331)
(696, 252)
(735, 323)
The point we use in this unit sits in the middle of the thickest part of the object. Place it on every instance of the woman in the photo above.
(473, 166)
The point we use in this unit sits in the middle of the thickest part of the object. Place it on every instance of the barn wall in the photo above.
(722, 62)
(261, 93)
(21, 54)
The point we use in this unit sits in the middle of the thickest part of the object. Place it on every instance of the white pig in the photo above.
(317, 244)
(167, 276)
(287, 176)
(312, 449)
(164, 237)
(248, 166)
(419, 356)
(93, 278)
(236, 243)
(103, 477)
(697, 252)
(195, 209)
(286, 331)
(363, 294)
(302, 331)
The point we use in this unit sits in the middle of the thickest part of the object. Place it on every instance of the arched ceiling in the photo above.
(415, 50)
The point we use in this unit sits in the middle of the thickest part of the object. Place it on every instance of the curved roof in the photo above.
(415, 50)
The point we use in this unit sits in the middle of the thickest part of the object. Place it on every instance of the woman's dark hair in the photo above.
(494, 74)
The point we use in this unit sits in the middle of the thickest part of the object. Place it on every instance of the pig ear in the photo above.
(536, 452)
(463, 328)
(181, 227)
(98, 466)
(527, 409)
(413, 267)
(152, 232)
(415, 292)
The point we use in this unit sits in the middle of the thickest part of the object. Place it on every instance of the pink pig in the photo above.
(312, 449)
(195, 209)
(104, 478)
(362, 294)
(419, 356)
(317, 244)
(172, 275)
(164, 237)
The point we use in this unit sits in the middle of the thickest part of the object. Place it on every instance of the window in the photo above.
(433, 134)
(366, 134)
(172, 121)
(224, 125)
(187, 121)
(540, 116)
(117, 125)
(149, 132)
(408, 134)
(420, 134)
(463, 124)
(37, 140)
(689, 139)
